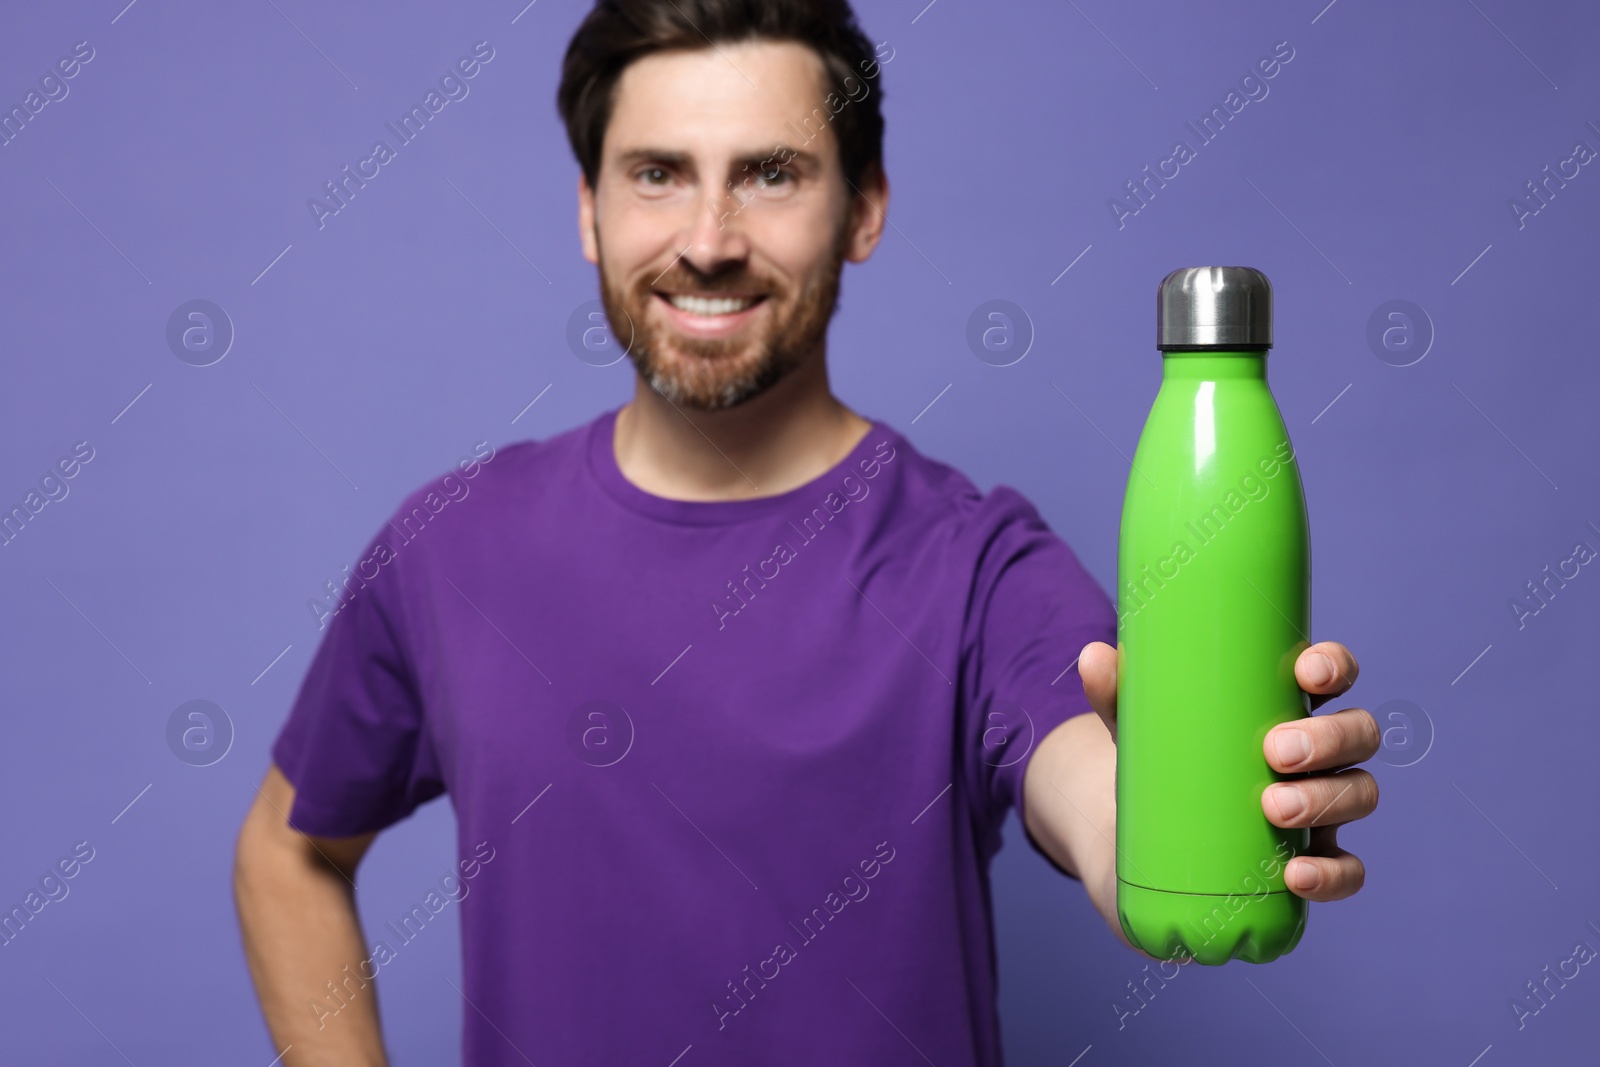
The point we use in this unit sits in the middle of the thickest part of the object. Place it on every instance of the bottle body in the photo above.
(1213, 609)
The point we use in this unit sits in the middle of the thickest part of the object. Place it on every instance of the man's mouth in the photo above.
(710, 306)
(710, 315)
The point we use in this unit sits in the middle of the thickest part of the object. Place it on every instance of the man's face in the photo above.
(726, 289)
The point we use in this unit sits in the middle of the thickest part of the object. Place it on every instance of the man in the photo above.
(731, 688)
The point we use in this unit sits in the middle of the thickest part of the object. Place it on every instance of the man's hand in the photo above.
(1329, 743)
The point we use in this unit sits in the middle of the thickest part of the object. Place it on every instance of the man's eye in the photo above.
(649, 173)
(774, 176)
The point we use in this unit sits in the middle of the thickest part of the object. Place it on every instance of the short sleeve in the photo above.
(1032, 610)
(355, 744)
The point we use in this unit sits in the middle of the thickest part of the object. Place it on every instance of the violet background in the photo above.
(416, 323)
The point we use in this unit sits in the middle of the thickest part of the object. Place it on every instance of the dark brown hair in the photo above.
(617, 32)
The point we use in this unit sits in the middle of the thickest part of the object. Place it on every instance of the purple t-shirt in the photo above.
(727, 775)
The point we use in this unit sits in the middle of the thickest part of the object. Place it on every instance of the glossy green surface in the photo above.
(1255, 928)
(1213, 606)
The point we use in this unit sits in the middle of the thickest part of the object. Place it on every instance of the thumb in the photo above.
(1097, 667)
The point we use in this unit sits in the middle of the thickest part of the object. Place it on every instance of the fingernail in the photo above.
(1307, 876)
(1290, 801)
(1320, 668)
(1293, 746)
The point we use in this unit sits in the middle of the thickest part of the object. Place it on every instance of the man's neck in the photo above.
(788, 435)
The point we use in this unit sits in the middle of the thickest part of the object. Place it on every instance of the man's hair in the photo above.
(617, 32)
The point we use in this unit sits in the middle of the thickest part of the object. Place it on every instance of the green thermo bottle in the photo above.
(1213, 606)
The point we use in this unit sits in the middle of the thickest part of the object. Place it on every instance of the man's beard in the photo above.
(710, 373)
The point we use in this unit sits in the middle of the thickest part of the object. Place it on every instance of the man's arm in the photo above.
(296, 901)
(1070, 797)
(1070, 808)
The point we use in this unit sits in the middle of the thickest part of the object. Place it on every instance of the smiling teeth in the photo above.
(700, 306)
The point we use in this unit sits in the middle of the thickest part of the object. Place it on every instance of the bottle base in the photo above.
(1211, 928)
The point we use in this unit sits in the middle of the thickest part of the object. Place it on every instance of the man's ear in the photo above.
(868, 209)
(586, 233)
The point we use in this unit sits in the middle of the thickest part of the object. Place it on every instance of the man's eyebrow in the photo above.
(654, 155)
(779, 154)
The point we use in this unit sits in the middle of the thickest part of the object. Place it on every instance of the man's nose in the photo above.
(715, 234)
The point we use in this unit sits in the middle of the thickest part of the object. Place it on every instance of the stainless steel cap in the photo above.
(1214, 307)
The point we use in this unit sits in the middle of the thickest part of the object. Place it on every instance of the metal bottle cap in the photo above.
(1214, 307)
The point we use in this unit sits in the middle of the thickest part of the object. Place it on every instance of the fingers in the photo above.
(1323, 800)
(1330, 874)
(1321, 742)
(1325, 670)
(1097, 667)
